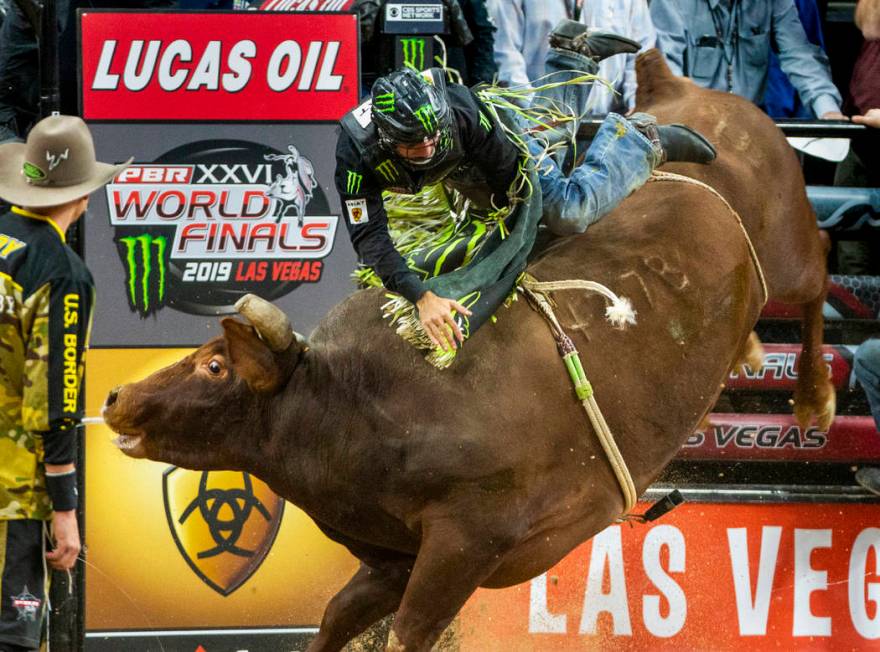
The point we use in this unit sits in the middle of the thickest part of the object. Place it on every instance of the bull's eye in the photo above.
(214, 367)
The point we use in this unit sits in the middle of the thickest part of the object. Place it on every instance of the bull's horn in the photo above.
(271, 323)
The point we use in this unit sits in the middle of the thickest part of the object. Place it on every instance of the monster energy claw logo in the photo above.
(384, 103)
(145, 257)
(388, 170)
(353, 182)
(413, 53)
(427, 117)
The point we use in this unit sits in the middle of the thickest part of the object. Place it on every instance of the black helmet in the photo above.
(407, 109)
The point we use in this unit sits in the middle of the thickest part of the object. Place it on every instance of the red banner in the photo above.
(307, 5)
(779, 371)
(705, 577)
(235, 66)
(778, 437)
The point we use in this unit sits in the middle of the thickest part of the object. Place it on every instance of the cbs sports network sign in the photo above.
(231, 118)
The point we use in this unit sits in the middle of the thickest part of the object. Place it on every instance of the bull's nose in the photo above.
(111, 397)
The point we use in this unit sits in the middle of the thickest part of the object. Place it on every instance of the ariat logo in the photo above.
(8, 244)
(388, 170)
(485, 122)
(427, 117)
(413, 50)
(353, 182)
(384, 103)
(223, 522)
(145, 272)
(32, 172)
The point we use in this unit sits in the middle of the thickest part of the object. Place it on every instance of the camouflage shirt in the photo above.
(46, 298)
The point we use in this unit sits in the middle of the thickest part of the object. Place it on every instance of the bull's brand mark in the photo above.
(208, 217)
(413, 50)
(353, 182)
(145, 273)
(388, 170)
(224, 523)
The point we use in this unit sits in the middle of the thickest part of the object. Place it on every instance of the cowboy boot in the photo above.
(869, 478)
(595, 44)
(674, 143)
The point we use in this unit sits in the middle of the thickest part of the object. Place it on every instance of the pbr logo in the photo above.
(27, 605)
(223, 522)
(213, 220)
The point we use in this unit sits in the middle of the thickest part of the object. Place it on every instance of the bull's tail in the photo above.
(655, 80)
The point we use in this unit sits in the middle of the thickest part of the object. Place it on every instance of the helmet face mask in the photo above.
(413, 118)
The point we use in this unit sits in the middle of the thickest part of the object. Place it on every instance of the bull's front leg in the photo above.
(371, 594)
(453, 561)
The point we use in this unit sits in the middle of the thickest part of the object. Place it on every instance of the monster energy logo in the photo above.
(485, 122)
(384, 103)
(145, 257)
(353, 183)
(388, 170)
(413, 53)
(426, 116)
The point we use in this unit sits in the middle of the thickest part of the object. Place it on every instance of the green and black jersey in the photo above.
(46, 299)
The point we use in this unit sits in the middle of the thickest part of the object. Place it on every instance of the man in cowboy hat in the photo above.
(46, 299)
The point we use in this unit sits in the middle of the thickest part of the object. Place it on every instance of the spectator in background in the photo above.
(781, 99)
(475, 61)
(861, 167)
(521, 43)
(19, 69)
(866, 365)
(725, 45)
(468, 48)
(20, 61)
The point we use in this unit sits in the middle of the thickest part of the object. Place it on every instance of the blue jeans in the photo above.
(619, 160)
(867, 368)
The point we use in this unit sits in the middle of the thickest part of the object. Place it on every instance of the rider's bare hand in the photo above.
(436, 317)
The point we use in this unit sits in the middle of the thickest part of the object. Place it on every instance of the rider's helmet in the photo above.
(410, 110)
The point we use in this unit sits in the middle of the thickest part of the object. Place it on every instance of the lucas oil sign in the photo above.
(235, 66)
(210, 220)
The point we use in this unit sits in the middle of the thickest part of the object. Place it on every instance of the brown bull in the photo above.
(488, 473)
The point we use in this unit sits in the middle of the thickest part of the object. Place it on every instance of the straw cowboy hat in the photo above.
(56, 165)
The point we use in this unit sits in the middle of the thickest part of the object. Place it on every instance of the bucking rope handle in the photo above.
(620, 313)
(536, 293)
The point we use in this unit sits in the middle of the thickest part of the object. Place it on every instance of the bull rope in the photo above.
(680, 178)
(619, 313)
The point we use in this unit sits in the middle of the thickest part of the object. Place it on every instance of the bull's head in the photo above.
(191, 413)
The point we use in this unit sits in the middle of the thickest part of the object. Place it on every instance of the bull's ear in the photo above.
(250, 358)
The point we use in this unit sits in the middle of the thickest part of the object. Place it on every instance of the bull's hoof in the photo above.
(754, 353)
(824, 410)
